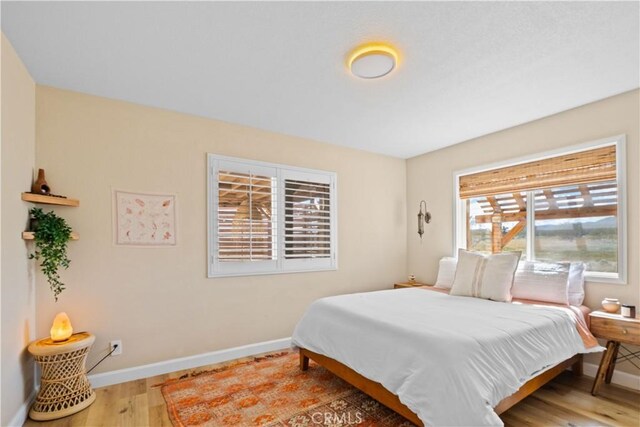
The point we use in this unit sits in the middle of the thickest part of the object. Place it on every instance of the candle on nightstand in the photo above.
(628, 310)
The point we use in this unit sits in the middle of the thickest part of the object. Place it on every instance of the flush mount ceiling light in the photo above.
(372, 60)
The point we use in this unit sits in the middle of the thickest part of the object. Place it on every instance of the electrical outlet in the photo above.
(118, 350)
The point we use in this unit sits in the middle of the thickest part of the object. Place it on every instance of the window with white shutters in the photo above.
(269, 218)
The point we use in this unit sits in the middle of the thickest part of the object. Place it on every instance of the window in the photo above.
(507, 233)
(561, 207)
(268, 218)
(578, 223)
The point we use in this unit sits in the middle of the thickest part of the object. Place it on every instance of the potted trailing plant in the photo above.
(51, 234)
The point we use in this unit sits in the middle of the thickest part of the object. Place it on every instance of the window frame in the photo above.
(279, 265)
(460, 214)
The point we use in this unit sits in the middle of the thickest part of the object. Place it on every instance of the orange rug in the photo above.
(272, 391)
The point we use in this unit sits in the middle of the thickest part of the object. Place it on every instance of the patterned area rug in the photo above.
(272, 391)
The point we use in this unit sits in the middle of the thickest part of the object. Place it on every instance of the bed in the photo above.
(438, 359)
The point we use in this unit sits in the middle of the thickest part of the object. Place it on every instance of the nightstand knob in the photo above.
(624, 331)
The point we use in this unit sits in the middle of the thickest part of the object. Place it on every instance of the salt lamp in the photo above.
(61, 329)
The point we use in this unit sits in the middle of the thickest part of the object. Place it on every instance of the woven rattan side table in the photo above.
(64, 387)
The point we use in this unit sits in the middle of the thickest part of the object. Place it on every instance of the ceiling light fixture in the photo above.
(372, 60)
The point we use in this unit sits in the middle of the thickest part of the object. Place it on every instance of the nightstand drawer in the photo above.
(613, 329)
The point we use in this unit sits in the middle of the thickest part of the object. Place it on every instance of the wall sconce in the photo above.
(61, 329)
(424, 217)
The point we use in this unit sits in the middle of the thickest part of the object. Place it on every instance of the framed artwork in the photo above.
(143, 219)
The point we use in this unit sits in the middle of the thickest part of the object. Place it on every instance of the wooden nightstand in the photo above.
(616, 330)
(409, 285)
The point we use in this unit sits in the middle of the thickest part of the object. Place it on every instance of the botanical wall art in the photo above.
(144, 219)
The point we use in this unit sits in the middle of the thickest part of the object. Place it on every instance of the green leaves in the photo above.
(51, 238)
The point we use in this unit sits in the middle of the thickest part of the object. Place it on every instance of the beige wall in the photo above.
(430, 177)
(159, 301)
(17, 284)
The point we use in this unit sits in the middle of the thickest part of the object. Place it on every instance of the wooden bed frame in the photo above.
(390, 400)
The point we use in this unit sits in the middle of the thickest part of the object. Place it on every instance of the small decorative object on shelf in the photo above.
(40, 185)
(628, 310)
(64, 386)
(610, 305)
(41, 193)
(412, 278)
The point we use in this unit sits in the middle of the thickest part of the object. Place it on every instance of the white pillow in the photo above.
(576, 283)
(446, 272)
(488, 277)
(542, 281)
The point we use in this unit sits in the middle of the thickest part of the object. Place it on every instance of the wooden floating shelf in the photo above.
(29, 235)
(50, 200)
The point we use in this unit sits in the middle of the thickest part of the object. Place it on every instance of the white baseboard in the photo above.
(21, 415)
(189, 362)
(624, 379)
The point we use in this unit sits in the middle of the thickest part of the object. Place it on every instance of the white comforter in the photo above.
(449, 359)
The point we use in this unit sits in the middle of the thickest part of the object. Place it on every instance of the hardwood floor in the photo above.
(565, 401)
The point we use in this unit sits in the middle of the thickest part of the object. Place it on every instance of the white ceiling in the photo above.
(466, 69)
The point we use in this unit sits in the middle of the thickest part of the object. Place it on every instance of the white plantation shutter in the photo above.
(308, 220)
(307, 231)
(268, 218)
(244, 217)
